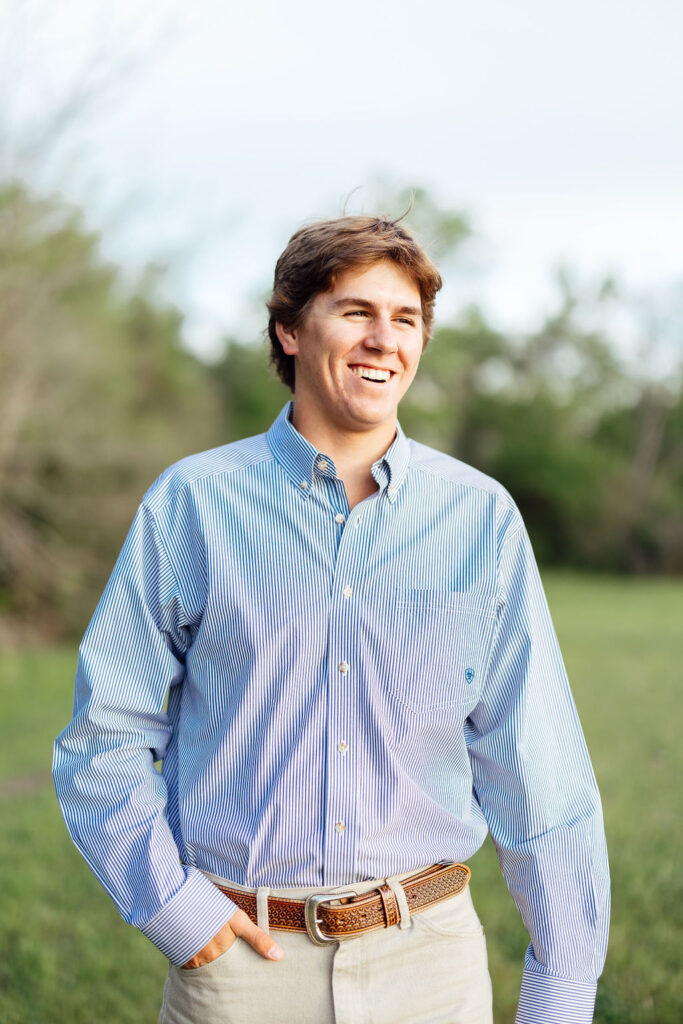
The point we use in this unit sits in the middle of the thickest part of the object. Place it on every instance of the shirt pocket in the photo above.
(442, 641)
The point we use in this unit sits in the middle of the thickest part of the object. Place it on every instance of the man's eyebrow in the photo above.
(352, 300)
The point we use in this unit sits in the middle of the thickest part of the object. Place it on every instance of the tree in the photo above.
(98, 396)
(590, 450)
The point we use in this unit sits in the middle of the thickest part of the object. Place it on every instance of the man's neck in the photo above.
(353, 452)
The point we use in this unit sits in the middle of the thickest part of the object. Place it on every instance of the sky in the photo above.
(557, 128)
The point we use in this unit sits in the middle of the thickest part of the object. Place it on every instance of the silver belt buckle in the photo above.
(313, 921)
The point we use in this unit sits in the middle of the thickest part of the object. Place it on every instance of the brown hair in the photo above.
(317, 253)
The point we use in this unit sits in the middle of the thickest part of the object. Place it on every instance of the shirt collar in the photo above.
(302, 461)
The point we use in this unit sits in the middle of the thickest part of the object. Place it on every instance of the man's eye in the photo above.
(407, 320)
(357, 312)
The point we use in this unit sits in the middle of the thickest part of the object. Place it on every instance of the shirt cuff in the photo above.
(190, 919)
(545, 999)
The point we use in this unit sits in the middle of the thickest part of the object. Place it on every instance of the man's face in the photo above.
(357, 350)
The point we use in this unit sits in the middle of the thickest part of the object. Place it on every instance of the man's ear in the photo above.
(287, 336)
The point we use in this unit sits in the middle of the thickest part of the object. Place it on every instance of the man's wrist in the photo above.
(189, 920)
(547, 998)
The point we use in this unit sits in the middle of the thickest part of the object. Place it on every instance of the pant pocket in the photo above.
(198, 996)
(451, 917)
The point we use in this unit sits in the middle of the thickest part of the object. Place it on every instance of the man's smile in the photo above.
(371, 373)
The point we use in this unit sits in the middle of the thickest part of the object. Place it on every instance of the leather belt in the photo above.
(357, 913)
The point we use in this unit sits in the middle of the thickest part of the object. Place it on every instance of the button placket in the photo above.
(344, 679)
(338, 505)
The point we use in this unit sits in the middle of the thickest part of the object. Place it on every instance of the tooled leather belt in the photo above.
(356, 914)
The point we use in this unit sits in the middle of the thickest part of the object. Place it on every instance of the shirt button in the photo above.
(322, 465)
(339, 518)
(342, 746)
(343, 667)
(340, 827)
(391, 489)
(347, 591)
(303, 484)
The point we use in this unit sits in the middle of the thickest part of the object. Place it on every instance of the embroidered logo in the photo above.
(469, 674)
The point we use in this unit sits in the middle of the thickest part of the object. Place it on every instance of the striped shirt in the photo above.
(336, 694)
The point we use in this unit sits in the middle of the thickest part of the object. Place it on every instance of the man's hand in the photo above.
(242, 925)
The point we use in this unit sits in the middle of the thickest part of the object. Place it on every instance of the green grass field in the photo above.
(66, 956)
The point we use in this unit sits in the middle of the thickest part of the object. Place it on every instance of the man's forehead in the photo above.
(383, 279)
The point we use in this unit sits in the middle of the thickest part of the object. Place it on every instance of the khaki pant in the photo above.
(429, 969)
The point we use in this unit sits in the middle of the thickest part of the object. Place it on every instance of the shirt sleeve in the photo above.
(111, 795)
(535, 785)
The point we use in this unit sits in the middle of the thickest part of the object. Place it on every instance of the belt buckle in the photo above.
(312, 920)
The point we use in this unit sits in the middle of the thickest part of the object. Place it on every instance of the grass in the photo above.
(66, 956)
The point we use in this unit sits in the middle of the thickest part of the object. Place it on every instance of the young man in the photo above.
(361, 678)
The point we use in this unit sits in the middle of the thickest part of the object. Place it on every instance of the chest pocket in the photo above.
(441, 648)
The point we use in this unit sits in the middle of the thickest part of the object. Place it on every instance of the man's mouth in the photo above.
(371, 373)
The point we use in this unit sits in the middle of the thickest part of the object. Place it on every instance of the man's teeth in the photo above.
(370, 373)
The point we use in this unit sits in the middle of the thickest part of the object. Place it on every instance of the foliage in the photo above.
(592, 456)
(98, 395)
(251, 392)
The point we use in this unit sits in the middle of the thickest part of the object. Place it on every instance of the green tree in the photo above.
(98, 396)
(591, 452)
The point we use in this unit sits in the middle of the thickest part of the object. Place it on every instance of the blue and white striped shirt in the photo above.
(337, 694)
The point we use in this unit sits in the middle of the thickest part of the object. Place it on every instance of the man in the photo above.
(361, 678)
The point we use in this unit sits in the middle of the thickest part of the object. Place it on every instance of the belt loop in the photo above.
(399, 893)
(262, 894)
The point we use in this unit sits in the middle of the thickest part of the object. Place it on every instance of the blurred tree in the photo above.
(590, 451)
(642, 511)
(252, 394)
(97, 397)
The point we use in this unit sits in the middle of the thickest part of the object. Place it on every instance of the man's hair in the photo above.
(318, 253)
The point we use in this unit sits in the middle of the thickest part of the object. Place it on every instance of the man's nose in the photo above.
(381, 336)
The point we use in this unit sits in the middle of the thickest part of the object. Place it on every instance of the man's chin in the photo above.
(369, 422)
